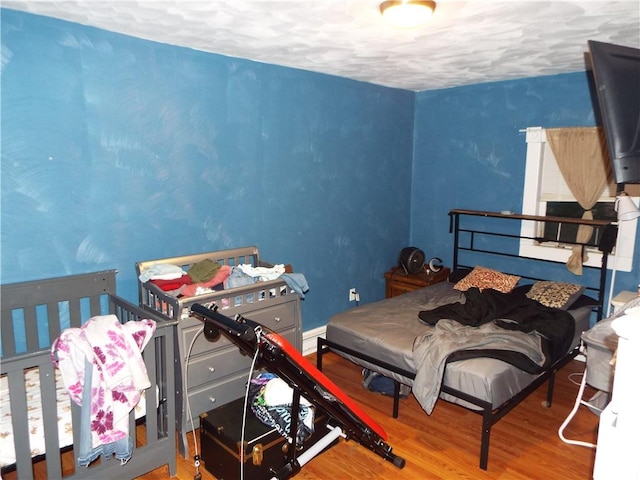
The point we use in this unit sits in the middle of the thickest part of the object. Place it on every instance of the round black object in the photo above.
(412, 259)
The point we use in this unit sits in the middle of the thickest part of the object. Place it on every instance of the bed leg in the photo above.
(552, 378)
(484, 441)
(396, 398)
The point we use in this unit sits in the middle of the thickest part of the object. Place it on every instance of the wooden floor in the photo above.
(445, 445)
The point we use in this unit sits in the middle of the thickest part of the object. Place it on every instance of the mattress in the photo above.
(34, 407)
(386, 330)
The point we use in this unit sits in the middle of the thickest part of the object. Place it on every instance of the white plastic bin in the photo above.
(601, 341)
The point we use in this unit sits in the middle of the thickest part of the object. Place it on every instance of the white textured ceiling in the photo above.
(464, 42)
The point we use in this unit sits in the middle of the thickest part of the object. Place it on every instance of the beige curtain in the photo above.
(583, 161)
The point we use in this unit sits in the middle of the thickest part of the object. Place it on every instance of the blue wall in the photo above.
(470, 153)
(116, 149)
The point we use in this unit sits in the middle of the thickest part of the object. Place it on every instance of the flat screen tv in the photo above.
(616, 71)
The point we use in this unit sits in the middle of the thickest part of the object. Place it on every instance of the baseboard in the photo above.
(310, 339)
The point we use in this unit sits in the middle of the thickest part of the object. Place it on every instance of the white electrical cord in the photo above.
(258, 332)
(577, 404)
(186, 394)
(575, 374)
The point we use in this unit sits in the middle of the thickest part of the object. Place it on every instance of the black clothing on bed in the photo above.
(511, 311)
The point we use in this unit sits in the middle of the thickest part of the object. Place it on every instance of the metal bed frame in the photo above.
(469, 242)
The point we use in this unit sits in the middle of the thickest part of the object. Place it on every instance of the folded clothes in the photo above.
(262, 273)
(169, 285)
(296, 282)
(204, 270)
(161, 271)
(219, 278)
(237, 278)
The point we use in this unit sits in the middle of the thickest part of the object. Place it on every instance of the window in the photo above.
(566, 233)
(546, 193)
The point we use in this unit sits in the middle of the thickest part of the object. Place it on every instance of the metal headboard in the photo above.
(469, 243)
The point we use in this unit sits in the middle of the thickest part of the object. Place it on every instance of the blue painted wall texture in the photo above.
(116, 149)
(471, 154)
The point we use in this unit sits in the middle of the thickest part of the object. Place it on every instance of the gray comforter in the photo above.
(509, 327)
(431, 351)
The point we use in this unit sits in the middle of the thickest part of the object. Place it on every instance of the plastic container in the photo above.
(601, 342)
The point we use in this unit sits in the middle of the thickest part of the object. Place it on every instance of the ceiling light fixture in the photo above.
(407, 13)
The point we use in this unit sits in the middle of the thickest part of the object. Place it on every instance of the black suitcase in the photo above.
(265, 450)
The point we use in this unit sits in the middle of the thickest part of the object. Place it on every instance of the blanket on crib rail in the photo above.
(506, 326)
(113, 351)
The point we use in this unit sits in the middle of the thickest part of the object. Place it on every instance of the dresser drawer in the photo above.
(276, 317)
(222, 363)
(213, 367)
(201, 344)
(214, 395)
(221, 389)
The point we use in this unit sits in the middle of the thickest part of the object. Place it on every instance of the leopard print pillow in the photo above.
(483, 277)
(555, 294)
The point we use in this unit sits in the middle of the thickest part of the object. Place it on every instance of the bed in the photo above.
(394, 337)
(39, 437)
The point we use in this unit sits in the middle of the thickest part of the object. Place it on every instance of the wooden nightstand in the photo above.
(397, 282)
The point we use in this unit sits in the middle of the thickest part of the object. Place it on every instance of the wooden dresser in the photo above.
(398, 282)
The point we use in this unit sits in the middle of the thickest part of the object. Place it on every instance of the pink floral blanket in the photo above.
(119, 375)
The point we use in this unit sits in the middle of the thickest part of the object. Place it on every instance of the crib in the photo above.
(34, 313)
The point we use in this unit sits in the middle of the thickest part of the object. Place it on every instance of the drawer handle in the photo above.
(212, 369)
(212, 399)
(277, 319)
